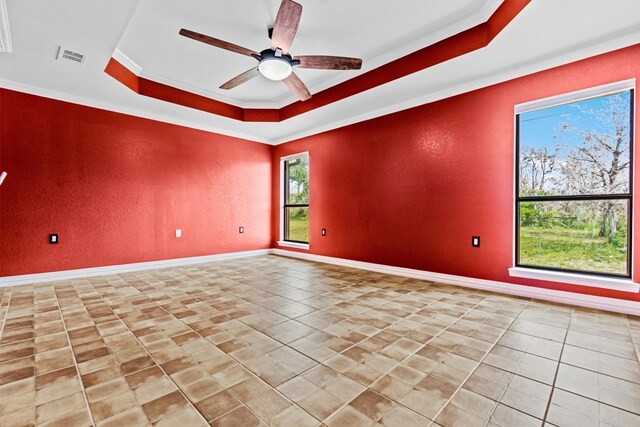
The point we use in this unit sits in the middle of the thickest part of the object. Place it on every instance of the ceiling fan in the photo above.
(276, 63)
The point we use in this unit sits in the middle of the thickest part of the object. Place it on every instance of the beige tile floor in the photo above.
(282, 342)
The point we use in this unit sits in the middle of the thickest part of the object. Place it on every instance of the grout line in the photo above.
(368, 387)
(8, 292)
(145, 348)
(479, 364)
(434, 337)
(227, 354)
(286, 345)
(555, 376)
(636, 347)
(471, 292)
(350, 315)
(75, 362)
(597, 372)
(352, 286)
(241, 364)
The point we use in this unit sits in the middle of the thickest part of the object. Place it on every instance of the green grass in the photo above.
(570, 249)
(299, 229)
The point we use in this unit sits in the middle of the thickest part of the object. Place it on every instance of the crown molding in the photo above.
(127, 62)
(120, 108)
(131, 65)
(5, 35)
(405, 48)
(535, 66)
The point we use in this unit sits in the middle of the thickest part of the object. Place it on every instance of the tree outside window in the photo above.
(296, 204)
(574, 186)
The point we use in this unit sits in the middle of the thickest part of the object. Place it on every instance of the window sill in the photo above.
(617, 284)
(293, 245)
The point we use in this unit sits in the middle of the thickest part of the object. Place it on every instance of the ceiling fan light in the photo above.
(275, 68)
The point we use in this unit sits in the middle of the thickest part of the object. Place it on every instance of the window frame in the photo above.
(531, 271)
(284, 205)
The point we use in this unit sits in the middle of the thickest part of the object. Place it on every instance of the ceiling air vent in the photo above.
(71, 56)
(5, 35)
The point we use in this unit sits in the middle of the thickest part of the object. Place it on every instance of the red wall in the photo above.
(408, 189)
(116, 187)
(411, 188)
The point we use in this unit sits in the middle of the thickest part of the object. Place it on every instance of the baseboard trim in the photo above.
(53, 276)
(571, 298)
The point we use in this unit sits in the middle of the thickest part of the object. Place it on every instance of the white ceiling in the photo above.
(547, 33)
(374, 30)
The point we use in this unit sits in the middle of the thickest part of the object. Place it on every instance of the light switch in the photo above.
(475, 241)
(53, 238)
(178, 232)
(240, 230)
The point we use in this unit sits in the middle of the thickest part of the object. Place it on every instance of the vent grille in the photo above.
(71, 56)
(5, 35)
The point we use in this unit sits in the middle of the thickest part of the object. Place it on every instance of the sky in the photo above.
(544, 128)
(538, 128)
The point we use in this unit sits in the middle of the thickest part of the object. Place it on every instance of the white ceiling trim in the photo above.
(542, 64)
(136, 69)
(510, 74)
(127, 62)
(5, 35)
(193, 89)
(403, 49)
(117, 108)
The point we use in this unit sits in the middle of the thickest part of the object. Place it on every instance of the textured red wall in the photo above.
(411, 188)
(116, 187)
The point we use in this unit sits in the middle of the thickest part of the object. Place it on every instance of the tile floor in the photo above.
(282, 342)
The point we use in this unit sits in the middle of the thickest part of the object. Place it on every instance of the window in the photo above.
(574, 184)
(296, 199)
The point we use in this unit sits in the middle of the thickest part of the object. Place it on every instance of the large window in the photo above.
(296, 199)
(573, 200)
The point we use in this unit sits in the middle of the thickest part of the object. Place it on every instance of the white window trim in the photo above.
(605, 282)
(281, 241)
(295, 245)
(618, 284)
(578, 95)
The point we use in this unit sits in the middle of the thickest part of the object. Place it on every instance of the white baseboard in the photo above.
(123, 268)
(571, 298)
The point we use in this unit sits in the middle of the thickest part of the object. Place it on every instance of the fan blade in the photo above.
(217, 42)
(296, 86)
(286, 25)
(242, 78)
(320, 62)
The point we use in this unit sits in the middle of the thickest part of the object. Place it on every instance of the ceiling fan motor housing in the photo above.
(274, 64)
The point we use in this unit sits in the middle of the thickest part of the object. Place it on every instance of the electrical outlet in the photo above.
(324, 231)
(475, 241)
(53, 239)
(178, 232)
(240, 230)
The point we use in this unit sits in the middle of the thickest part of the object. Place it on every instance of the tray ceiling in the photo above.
(546, 33)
